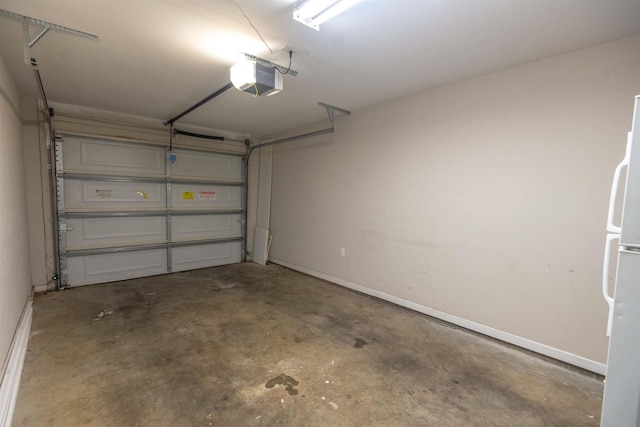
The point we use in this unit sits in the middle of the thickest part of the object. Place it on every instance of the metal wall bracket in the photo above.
(40, 29)
(331, 111)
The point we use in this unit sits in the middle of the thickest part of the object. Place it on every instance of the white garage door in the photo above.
(124, 210)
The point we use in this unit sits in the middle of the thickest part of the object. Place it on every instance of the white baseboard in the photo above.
(564, 356)
(11, 376)
(41, 288)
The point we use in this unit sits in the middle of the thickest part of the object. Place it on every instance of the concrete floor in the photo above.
(245, 345)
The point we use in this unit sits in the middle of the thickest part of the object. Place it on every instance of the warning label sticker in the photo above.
(187, 195)
(206, 195)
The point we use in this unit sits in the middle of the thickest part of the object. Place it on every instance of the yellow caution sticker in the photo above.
(187, 195)
(142, 194)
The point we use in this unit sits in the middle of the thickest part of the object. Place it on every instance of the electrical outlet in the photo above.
(343, 252)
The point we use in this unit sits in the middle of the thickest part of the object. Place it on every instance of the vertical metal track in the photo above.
(61, 229)
(245, 197)
(168, 217)
(55, 165)
(53, 199)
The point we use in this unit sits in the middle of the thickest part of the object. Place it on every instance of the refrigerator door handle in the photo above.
(605, 278)
(611, 227)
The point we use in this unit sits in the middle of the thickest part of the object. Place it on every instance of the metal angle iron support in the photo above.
(266, 63)
(331, 109)
(43, 27)
(29, 42)
(28, 34)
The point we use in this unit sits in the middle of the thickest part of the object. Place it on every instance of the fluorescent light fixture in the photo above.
(256, 79)
(312, 13)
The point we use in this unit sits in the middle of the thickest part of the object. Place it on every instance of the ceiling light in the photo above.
(312, 13)
(255, 78)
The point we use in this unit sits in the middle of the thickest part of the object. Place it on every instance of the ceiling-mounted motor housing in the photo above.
(255, 78)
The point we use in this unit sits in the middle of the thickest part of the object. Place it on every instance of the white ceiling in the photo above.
(155, 58)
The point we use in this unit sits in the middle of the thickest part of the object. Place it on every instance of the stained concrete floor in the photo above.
(245, 345)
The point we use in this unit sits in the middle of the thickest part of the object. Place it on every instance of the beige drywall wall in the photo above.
(484, 199)
(15, 278)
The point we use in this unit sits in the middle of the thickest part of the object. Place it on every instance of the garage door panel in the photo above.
(100, 232)
(101, 268)
(117, 219)
(191, 196)
(201, 256)
(210, 166)
(193, 227)
(108, 195)
(81, 155)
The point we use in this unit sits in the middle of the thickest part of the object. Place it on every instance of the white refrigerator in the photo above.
(621, 403)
